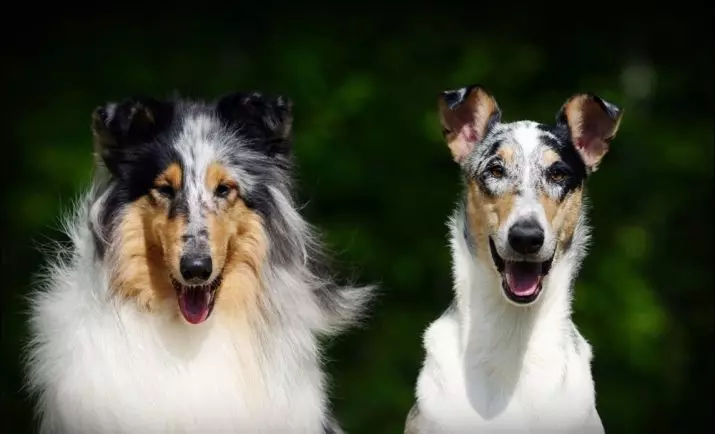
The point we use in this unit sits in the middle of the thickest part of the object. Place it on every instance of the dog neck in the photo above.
(496, 331)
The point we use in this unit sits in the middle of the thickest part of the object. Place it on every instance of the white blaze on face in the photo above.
(525, 140)
(198, 147)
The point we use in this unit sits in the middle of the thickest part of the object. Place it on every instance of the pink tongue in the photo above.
(523, 278)
(194, 305)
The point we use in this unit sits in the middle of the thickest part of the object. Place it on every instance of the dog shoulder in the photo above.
(441, 367)
(441, 339)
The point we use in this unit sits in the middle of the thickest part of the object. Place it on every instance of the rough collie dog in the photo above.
(189, 299)
(506, 356)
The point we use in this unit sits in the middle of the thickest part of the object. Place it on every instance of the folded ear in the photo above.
(118, 129)
(268, 120)
(467, 115)
(592, 123)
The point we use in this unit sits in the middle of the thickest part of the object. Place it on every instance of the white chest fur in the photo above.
(494, 367)
(103, 367)
(475, 391)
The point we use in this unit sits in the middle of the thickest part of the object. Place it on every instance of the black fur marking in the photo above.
(454, 97)
(269, 120)
(262, 125)
(133, 140)
(570, 158)
(266, 124)
(477, 172)
(123, 131)
(275, 173)
(179, 206)
(496, 142)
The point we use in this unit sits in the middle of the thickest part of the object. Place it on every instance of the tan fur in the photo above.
(171, 176)
(466, 124)
(150, 245)
(238, 246)
(566, 217)
(486, 214)
(507, 154)
(140, 270)
(550, 205)
(562, 215)
(583, 114)
(549, 157)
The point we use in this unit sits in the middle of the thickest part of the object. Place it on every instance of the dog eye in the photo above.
(222, 190)
(496, 171)
(165, 190)
(557, 175)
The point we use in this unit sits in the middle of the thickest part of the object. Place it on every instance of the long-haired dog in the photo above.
(190, 298)
(506, 356)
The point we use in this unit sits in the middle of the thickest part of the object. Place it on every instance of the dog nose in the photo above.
(195, 268)
(526, 237)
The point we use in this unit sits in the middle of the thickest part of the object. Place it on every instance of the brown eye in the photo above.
(557, 175)
(496, 171)
(222, 190)
(166, 191)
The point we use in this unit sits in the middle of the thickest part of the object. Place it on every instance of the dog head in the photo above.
(524, 179)
(193, 189)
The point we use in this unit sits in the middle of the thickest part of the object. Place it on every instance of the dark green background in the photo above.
(378, 180)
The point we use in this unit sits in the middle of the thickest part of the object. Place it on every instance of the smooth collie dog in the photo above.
(506, 357)
(189, 300)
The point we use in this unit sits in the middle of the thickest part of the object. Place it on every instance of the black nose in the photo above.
(195, 269)
(526, 237)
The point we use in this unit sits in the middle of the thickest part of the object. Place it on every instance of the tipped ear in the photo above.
(592, 123)
(119, 128)
(270, 120)
(467, 115)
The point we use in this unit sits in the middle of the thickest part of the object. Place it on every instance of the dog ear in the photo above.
(592, 123)
(269, 120)
(118, 129)
(466, 115)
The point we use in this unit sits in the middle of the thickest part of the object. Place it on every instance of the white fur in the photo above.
(98, 364)
(492, 366)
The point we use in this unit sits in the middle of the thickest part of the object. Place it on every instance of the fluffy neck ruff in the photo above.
(494, 333)
(225, 373)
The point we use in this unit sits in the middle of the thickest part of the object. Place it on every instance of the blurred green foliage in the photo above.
(377, 179)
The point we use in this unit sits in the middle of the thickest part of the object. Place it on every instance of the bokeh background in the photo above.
(377, 179)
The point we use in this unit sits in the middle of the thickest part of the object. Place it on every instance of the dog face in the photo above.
(191, 188)
(524, 179)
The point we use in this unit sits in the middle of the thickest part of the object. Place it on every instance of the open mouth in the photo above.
(521, 280)
(196, 302)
